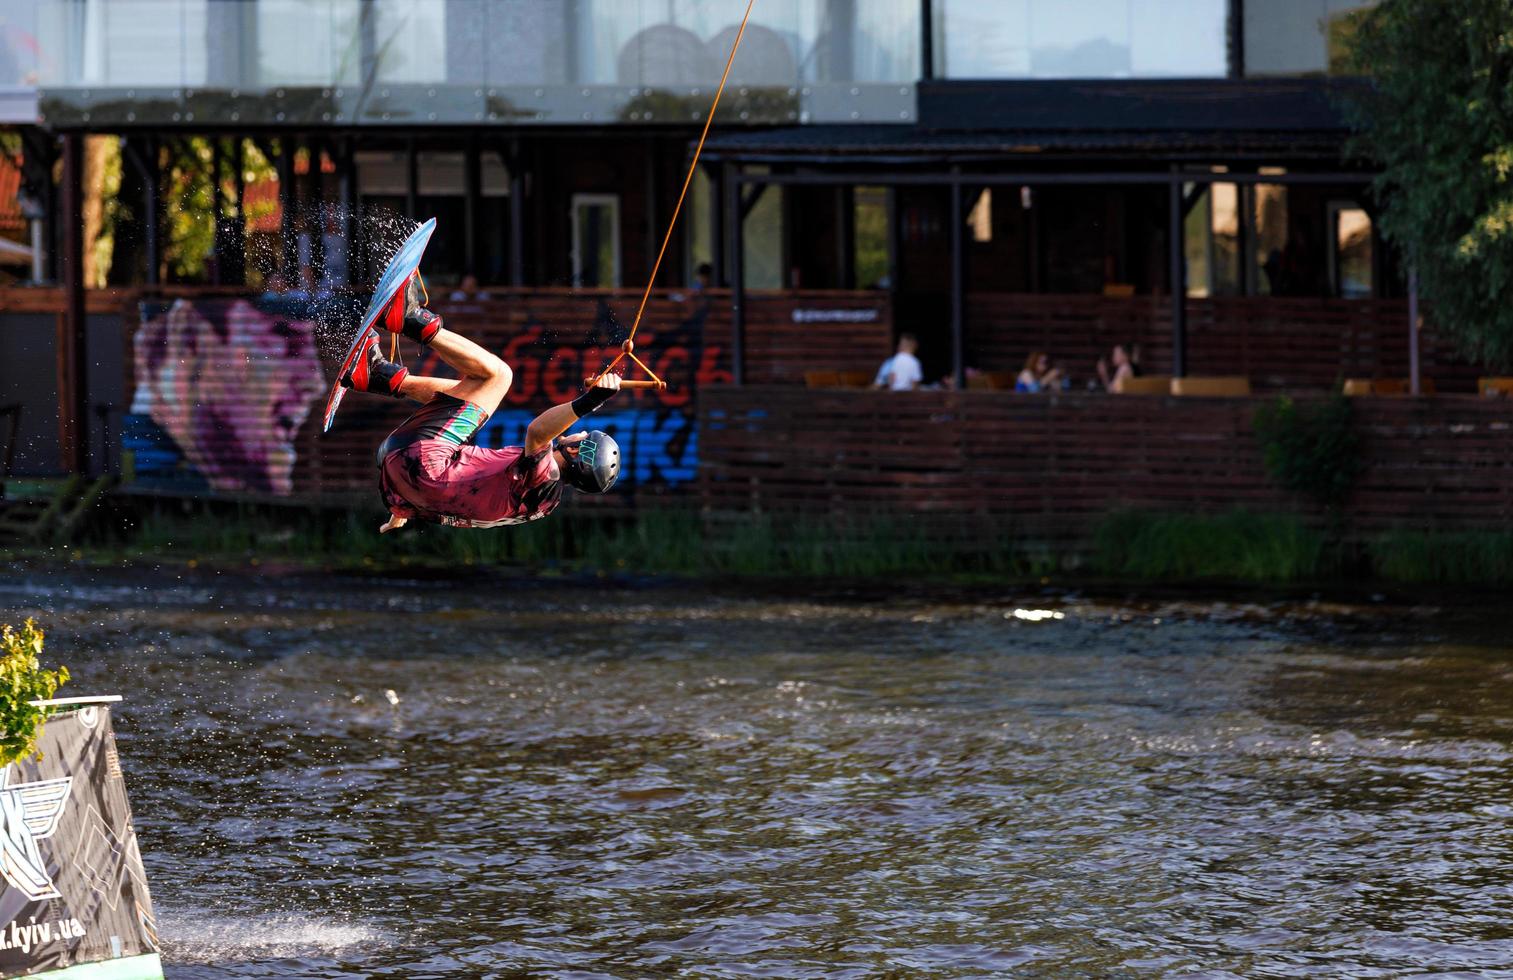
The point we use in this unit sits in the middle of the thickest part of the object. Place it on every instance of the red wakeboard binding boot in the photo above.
(406, 315)
(373, 372)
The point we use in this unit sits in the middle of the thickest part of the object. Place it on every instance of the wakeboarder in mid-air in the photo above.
(430, 469)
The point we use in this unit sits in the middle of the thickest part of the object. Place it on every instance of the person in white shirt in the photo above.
(901, 372)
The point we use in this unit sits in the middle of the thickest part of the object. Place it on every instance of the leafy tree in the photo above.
(1439, 120)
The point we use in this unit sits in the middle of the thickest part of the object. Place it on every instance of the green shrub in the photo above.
(22, 680)
(1310, 449)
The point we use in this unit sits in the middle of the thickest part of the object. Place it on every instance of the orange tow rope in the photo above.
(627, 349)
(425, 300)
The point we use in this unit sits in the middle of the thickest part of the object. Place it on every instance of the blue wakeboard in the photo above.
(395, 277)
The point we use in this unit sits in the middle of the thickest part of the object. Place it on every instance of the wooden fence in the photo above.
(1279, 343)
(1056, 462)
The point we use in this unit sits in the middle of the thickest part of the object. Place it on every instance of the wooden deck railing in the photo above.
(1277, 342)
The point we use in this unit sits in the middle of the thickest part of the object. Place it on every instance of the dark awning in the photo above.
(1150, 121)
(918, 145)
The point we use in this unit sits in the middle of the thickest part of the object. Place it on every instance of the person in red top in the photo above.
(429, 468)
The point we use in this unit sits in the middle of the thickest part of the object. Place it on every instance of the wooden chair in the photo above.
(1495, 387)
(854, 379)
(1211, 387)
(1148, 384)
(992, 381)
(822, 379)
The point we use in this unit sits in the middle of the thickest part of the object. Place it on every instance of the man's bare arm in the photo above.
(559, 418)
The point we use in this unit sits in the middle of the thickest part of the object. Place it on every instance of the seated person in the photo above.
(1038, 374)
(1126, 365)
(902, 371)
(468, 289)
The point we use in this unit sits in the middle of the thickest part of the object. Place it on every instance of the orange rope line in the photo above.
(678, 209)
(425, 301)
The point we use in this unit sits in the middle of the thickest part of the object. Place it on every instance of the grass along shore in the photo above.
(1239, 547)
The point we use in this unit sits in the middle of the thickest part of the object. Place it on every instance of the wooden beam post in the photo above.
(958, 286)
(1177, 277)
(735, 224)
(73, 355)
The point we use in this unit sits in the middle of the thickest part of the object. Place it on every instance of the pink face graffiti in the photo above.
(231, 385)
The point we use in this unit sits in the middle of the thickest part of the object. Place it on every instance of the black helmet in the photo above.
(596, 466)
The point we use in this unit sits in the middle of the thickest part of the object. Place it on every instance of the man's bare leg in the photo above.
(485, 378)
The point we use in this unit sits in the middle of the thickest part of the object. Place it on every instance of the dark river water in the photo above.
(405, 780)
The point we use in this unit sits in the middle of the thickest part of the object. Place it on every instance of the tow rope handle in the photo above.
(628, 349)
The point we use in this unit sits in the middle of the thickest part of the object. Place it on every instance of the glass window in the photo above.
(1086, 39)
(1273, 259)
(1211, 241)
(787, 42)
(700, 230)
(980, 218)
(19, 51)
(596, 239)
(548, 61)
(763, 239)
(410, 40)
(1351, 267)
(303, 44)
(1224, 215)
(144, 42)
(1300, 37)
(1197, 244)
(870, 261)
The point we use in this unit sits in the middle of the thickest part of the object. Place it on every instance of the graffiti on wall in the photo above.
(227, 391)
(222, 388)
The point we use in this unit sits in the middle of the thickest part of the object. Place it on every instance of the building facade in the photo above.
(1008, 174)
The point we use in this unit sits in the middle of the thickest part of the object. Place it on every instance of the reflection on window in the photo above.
(1088, 39)
(596, 239)
(124, 40)
(870, 260)
(1197, 243)
(980, 218)
(1351, 263)
(1211, 238)
(701, 206)
(762, 240)
(678, 43)
(410, 40)
(1278, 257)
(298, 45)
(635, 43)
(19, 51)
(1301, 37)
